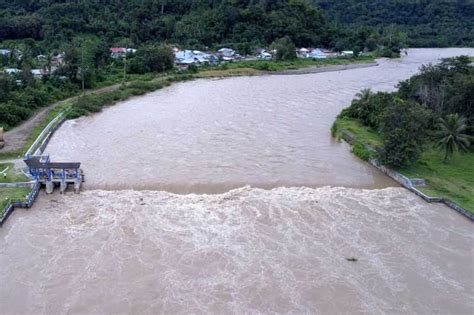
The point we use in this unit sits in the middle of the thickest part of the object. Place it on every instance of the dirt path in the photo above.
(17, 138)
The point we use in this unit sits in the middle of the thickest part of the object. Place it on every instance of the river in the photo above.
(230, 196)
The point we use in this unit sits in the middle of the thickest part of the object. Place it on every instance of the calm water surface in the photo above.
(122, 246)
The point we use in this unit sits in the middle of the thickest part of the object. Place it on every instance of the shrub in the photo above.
(361, 151)
(285, 48)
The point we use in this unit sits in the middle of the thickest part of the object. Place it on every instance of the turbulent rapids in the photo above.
(248, 250)
(268, 210)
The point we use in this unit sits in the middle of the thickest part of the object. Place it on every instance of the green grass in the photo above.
(453, 180)
(11, 175)
(39, 128)
(10, 155)
(362, 133)
(96, 102)
(274, 65)
(11, 195)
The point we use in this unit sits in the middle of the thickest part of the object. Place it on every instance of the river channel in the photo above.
(231, 196)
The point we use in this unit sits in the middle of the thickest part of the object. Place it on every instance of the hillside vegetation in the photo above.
(424, 129)
(427, 23)
(189, 22)
(329, 23)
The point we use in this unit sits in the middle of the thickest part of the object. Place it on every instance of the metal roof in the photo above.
(36, 163)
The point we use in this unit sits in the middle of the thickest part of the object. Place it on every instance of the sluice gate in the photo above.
(53, 174)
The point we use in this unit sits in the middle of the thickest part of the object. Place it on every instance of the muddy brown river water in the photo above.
(268, 208)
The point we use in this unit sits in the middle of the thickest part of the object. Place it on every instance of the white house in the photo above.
(12, 71)
(5, 52)
(58, 60)
(317, 54)
(302, 52)
(226, 54)
(347, 53)
(41, 57)
(117, 52)
(37, 73)
(265, 56)
(189, 57)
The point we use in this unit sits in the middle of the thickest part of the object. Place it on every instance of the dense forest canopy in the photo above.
(428, 23)
(409, 118)
(189, 22)
(349, 24)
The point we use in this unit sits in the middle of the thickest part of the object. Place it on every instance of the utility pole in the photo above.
(82, 67)
(124, 68)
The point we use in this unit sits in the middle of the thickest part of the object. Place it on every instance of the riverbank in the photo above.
(20, 137)
(453, 180)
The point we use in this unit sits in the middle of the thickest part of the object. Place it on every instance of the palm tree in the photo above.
(452, 135)
(363, 96)
(361, 104)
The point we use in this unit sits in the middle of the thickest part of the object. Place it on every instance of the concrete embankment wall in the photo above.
(406, 182)
(37, 147)
(30, 198)
(43, 139)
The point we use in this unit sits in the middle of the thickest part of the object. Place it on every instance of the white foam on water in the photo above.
(248, 250)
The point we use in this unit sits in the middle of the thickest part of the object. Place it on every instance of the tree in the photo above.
(152, 59)
(285, 48)
(362, 103)
(404, 126)
(7, 84)
(452, 135)
(71, 62)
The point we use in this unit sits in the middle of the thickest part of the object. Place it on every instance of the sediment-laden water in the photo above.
(247, 250)
(214, 135)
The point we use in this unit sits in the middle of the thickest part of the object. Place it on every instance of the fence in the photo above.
(37, 147)
(30, 198)
(43, 139)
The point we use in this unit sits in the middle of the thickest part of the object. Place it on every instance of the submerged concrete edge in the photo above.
(407, 182)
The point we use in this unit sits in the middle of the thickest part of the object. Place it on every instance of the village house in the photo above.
(38, 73)
(264, 55)
(227, 54)
(347, 53)
(41, 57)
(5, 52)
(12, 70)
(194, 57)
(58, 60)
(118, 52)
(302, 52)
(317, 54)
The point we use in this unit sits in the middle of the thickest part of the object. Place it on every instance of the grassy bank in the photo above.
(362, 136)
(11, 195)
(94, 103)
(454, 180)
(10, 175)
(276, 66)
(140, 84)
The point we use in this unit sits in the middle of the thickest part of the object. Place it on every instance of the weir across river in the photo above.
(54, 173)
(128, 244)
